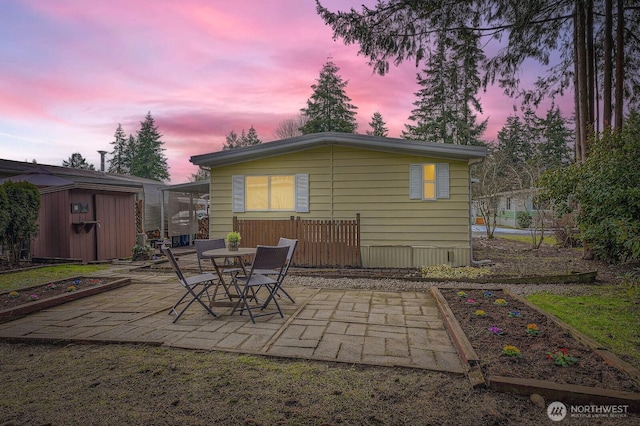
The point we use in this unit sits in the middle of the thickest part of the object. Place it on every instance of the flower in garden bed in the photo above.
(510, 350)
(76, 281)
(14, 294)
(34, 297)
(500, 302)
(496, 330)
(487, 294)
(480, 313)
(514, 314)
(51, 286)
(461, 294)
(471, 301)
(72, 288)
(562, 358)
(533, 329)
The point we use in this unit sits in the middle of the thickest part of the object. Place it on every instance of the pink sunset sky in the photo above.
(73, 69)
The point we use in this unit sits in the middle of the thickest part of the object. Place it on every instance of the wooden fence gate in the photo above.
(321, 243)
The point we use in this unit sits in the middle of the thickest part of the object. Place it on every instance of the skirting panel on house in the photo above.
(413, 257)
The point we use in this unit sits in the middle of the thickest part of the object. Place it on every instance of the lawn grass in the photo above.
(17, 280)
(609, 316)
(549, 240)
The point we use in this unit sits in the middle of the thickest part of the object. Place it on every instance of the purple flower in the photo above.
(495, 330)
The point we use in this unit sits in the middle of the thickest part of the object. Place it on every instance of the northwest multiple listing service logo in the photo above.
(557, 411)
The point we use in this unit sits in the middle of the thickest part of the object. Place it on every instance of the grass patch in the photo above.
(549, 240)
(608, 315)
(18, 280)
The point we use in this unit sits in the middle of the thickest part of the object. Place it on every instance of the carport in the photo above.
(184, 202)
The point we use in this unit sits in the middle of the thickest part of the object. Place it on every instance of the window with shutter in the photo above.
(270, 193)
(428, 181)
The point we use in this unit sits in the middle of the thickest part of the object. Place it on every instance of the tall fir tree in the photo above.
(447, 101)
(77, 161)
(378, 126)
(149, 160)
(329, 109)
(234, 141)
(554, 148)
(119, 163)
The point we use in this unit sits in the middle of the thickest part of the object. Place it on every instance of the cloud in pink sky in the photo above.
(73, 69)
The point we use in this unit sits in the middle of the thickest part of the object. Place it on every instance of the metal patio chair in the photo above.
(283, 242)
(271, 258)
(195, 287)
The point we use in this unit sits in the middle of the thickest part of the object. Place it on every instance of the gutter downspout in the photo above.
(471, 181)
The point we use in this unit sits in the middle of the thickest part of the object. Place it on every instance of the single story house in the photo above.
(412, 198)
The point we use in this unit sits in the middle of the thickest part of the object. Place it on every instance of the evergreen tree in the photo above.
(446, 102)
(149, 160)
(378, 126)
(130, 150)
(234, 141)
(329, 108)
(77, 161)
(118, 163)
(569, 30)
(251, 138)
(554, 149)
(513, 143)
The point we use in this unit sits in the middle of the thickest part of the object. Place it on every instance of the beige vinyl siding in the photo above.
(345, 181)
(376, 185)
(315, 162)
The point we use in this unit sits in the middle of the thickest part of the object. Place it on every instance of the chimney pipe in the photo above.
(102, 154)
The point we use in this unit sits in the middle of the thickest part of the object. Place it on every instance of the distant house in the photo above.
(509, 204)
(85, 214)
(412, 197)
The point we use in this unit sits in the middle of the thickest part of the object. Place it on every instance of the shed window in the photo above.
(271, 193)
(428, 181)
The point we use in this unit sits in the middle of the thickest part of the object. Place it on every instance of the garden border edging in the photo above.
(562, 392)
(15, 312)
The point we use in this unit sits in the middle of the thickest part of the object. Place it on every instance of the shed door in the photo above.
(116, 235)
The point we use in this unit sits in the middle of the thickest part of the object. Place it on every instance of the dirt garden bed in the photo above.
(546, 356)
(14, 304)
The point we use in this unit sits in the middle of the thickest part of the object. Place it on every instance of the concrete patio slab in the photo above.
(354, 326)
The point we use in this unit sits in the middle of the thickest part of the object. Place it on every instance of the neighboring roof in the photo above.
(39, 177)
(198, 187)
(76, 178)
(352, 140)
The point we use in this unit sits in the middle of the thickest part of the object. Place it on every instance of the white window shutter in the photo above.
(415, 181)
(237, 197)
(302, 193)
(442, 180)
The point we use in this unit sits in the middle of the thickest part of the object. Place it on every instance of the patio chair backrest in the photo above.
(291, 243)
(174, 265)
(270, 257)
(204, 245)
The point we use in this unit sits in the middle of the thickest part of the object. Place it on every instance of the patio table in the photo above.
(223, 260)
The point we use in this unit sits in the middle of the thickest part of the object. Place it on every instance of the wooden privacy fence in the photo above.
(321, 243)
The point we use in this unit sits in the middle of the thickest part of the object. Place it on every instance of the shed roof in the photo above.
(76, 178)
(314, 140)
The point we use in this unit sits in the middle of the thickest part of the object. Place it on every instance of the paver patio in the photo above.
(354, 326)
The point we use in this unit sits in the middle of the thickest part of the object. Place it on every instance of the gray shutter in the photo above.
(302, 193)
(442, 180)
(415, 181)
(237, 196)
